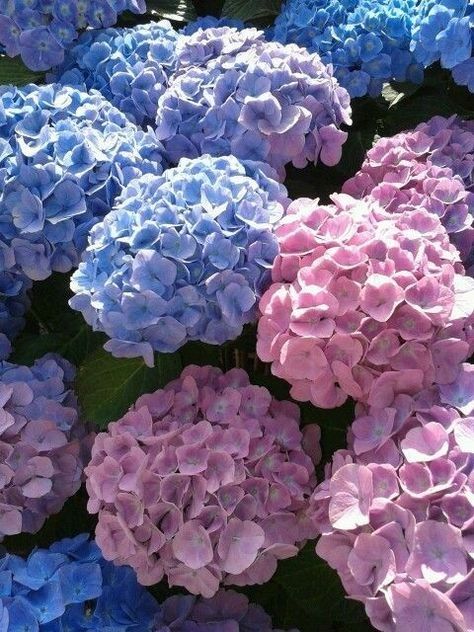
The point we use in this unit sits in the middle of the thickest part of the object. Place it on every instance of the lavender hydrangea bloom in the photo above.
(367, 43)
(64, 157)
(70, 587)
(42, 442)
(184, 256)
(263, 101)
(396, 510)
(41, 30)
(129, 66)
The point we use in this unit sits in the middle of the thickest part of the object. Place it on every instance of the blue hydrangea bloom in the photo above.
(236, 94)
(14, 303)
(184, 256)
(211, 22)
(71, 588)
(367, 42)
(130, 66)
(41, 30)
(64, 157)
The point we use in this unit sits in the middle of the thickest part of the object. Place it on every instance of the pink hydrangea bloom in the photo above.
(396, 511)
(43, 445)
(431, 166)
(364, 303)
(204, 482)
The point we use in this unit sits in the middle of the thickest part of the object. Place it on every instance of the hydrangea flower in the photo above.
(396, 510)
(368, 43)
(64, 157)
(14, 303)
(129, 66)
(41, 30)
(204, 482)
(211, 22)
(431, 166)
(69, 588)
(254, 100)
(42, 442)
(185, 256)
(364, 303)
(227, 610)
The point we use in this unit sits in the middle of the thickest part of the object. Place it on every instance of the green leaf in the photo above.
(175, 10)
(14, 71)
(108, 386)
(393, 93)
(248, 10)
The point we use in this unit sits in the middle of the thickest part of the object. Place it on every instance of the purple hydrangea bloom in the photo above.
(235, 94)
(129, 66)
(204, 482)
(40, 31)
(396, 511)
(181, 257)
(42, 442)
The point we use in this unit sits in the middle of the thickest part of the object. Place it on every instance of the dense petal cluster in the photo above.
(64, 157)
(129, 66)
(396, 511)
(185, 256)
(367, 42)
(431, 166)
(443, 31)
(211, 22)
(70, 588)
(204, 482)
(43, 445)
(41, 30)
(253, 99)
(364, 303)
(226, 611)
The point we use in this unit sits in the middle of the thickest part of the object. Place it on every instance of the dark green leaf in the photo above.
(108, 386)
(176, 10)
(248, 10)
(14, 71)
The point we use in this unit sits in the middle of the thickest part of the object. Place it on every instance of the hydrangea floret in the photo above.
(185, 256)
(364, 303)
(43, 444)
(64, 157)
(367, 42)
(268, 102)
(41, 30)
(396, 511)
(204, 482)
(71, 588)
(431, 166)
(129, 66)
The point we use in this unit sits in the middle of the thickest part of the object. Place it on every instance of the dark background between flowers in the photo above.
(304, 593)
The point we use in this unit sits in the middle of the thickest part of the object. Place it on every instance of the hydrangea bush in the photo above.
(431, 166)
(269, 102)
(364, 303)
(204, 482)
(185, 256)
(396, 510)
(65, 155)
(43, 443)
(129, 66)
(41, 30)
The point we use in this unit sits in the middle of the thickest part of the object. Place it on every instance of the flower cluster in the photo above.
(367, 42)
(443, 31)
(42, 443)
(210, 22)
(129, 66)
(261, 101)
(41, 30)
(431, 166)
(203, 482)
(226, 611)
(184, 256)
(365, 303)
(14, 301)
(64, 157)
(396, 510)
(70, 587)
